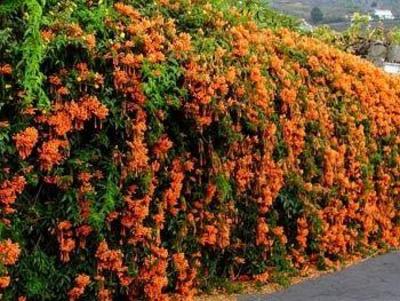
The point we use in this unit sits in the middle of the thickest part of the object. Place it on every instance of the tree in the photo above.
(316, 15)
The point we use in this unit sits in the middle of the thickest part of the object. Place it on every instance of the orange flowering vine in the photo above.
(65, 239)
(112, 260)
(186, 277)
(9, 191)
(81, 282)
(172, 149)
(9, 254)
(51, 153)
(138, 157)
(25, 141)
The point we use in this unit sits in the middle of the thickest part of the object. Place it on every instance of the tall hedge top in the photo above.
(151, 148)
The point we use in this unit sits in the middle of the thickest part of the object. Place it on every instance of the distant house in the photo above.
(383, 14)
(391, 68)
(305, 26)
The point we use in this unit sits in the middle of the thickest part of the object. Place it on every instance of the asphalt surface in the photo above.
(377, 279)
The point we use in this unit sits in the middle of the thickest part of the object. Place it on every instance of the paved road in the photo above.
(377, 279)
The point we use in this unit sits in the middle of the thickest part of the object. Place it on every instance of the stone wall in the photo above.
(380, 53)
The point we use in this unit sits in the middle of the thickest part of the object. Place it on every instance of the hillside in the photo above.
(333, 10)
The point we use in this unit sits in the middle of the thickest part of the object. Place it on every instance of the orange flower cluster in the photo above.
(4, 281)
(9, 190)
(112, 260)
(71, 31)
(9, 254)
(127, 10)
(294, 134)
(173, 193)
(263, 277)
(270, 183)
(153, 275)
(209, 236)
(25, 141)
(73, 115)
(261, 96)
(302, 232)
(279, 232)
(104, 295)
(186, 277)
(5, 69)
(262, 233)
(132, 220)
(240, 36)
(244, 174)
(81, 282)
(50, 153)
(182, 44)
(334, 164)
(162, 146)
(65, 239)
(138, 156)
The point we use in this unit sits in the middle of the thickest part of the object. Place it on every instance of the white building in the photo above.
(383, 14)
(391, 68)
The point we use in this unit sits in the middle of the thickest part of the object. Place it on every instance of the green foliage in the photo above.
(108, 201)
(281, 150)
(267, 17)
(394, 36)
(312, 157)
(223, 186)
(290, 199)
(33, 51)
(10, 6)
(160, 85)
(5, 140)
(39, 278)
(316, 15)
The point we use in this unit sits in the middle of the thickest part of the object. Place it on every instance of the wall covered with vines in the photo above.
(152, 149)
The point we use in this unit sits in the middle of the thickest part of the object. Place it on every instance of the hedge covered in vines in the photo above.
(153, 149)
